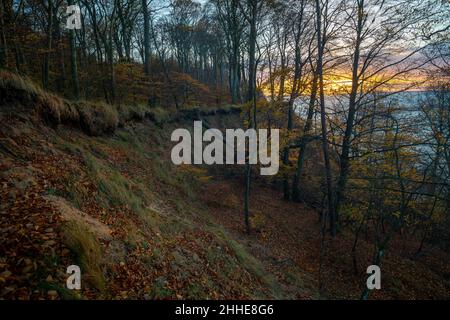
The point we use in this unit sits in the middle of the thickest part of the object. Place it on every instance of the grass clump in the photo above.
(250, 263)
(160, 290)
(97, 118)
(93, 117)
(23, 91)
(15, 88)
(158, 115)
(132, 113)
(87, 251)
(116, 189)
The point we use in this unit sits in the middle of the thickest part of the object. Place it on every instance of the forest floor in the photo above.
(142, 228)
(289, 238)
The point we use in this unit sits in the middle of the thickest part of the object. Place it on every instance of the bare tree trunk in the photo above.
(283, 62)
(323, 121)
(304, 140)
(295, 196)
(164, 66)
(252, 50)
(111, 69)
(110, 53)
(234, 61)
(46, 65)
(3, 44)
(73, 61)
(248, 174)
(251, 95)
(286, 191)
(61, 84)
(294, 94)
(146, 37)
(346, 143)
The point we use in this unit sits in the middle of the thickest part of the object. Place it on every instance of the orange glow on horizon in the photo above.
(341, 83)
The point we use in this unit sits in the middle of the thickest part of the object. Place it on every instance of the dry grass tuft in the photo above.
(87, 251)
(94, 118)
(97, 118)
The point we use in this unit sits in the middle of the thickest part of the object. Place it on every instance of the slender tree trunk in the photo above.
(119, 46)
(253, 4)
(323, 121)
(46, 65)
(112, 79)
(271, 80)
(248, 174)
(146, 37)
(61, 84)
(234, 69)
(287, 192)
(346, 143)
(124, 30)
(304, 140)
(293, 97)
(164, 66)
(73, 61)
(282, 49)
(3, 43)
(252, 50)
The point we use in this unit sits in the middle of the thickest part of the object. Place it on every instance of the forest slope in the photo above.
(87, 192)
(88, 184)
